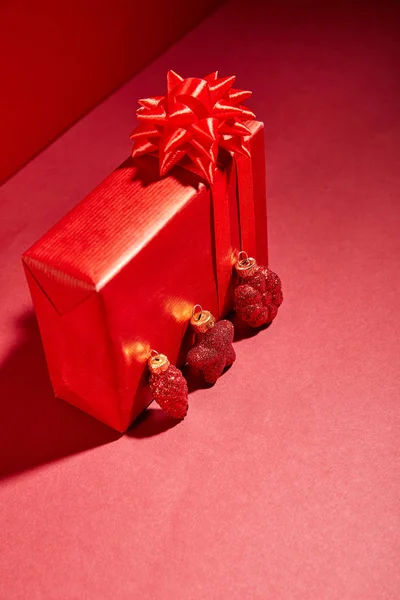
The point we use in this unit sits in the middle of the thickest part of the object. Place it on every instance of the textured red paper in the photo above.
(119, 275)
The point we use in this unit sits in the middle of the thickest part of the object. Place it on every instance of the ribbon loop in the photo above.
(194, 119)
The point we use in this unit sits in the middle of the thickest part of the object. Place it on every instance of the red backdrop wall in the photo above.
(59, 59)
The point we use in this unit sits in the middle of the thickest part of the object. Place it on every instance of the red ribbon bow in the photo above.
(191, 123)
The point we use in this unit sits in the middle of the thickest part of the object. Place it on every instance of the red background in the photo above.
(58, 59)
(284, 480)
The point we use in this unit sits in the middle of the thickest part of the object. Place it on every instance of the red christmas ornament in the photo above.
(258, 294)
(168, 386)
(191, 123)
(213, 350)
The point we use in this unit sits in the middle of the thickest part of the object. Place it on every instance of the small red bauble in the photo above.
(258, 294)
(168, 386)
(213, 350)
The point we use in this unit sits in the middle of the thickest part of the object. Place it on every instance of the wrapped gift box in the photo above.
(119, 275)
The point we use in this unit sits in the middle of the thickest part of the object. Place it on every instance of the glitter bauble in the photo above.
(213, 351)
(258, 297)
(170, 391)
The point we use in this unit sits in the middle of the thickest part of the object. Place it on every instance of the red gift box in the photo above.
(119, 275)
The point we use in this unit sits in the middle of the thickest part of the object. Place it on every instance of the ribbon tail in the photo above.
(222, 239)
(245, 197)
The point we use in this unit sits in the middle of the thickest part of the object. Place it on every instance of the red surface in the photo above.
(283, 481)
(59, 59)
(117, 275)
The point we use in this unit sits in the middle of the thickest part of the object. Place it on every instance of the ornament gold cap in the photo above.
(157, 363)
(202, 320)
(245, 265)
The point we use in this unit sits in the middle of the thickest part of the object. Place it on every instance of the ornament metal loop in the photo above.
(202, 320)
(246, 265)
(157, 363)
(246, 256)
(194, 311)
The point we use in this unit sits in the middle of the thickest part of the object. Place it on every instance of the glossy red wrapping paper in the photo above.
(120, 273)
